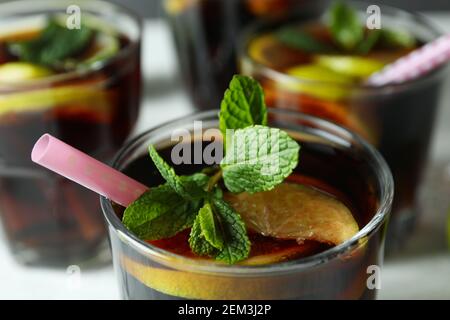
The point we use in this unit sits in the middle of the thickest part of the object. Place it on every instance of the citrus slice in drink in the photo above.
(197, 285)
(352, 66)
(318, 81)
(83, 97)
(16, 72)
(294, 211)
(268, 51)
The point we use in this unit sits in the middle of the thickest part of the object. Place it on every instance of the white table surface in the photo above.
(422, 271)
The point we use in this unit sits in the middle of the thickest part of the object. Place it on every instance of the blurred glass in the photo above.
(397, 119)
(47, 219)
(206, 34)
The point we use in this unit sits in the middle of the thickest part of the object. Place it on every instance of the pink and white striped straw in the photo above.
(415, 64)
(77, 166)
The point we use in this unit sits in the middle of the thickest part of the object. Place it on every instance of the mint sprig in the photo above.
(258, 158)
(55, 44)
(345, 26)
(348, 33)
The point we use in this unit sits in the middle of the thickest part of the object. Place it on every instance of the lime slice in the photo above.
(81, 96)
(353, 66)
(294, 211)
(15, 72)
(319, 82)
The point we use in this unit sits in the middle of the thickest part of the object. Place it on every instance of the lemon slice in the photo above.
(16, 72)
(319, 81)
(352, 66)
(80, 96)
(293, 211)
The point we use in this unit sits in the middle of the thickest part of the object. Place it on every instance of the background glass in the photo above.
(147, 272)
(47, 219)
(205, 34)
(397, 119)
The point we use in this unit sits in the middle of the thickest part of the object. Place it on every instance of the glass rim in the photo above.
(96, 6)
(279, 76)
(192, 265)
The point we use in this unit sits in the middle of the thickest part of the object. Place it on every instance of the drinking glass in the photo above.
(398, 119)
(329, 153)
(48, 220)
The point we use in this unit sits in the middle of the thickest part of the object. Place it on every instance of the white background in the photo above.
(422, 271)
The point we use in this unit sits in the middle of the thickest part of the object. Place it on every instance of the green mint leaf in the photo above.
(198, 243)
(345, 26)
(189, 188)
(236, 245)
(53, 45)
(297, 39)
(370, 40)
(397, 39)
(159, 213)
(209, 227)
(258, 159)
(243, 104)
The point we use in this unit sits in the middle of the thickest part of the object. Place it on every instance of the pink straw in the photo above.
(77, 166)
(415, 64)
